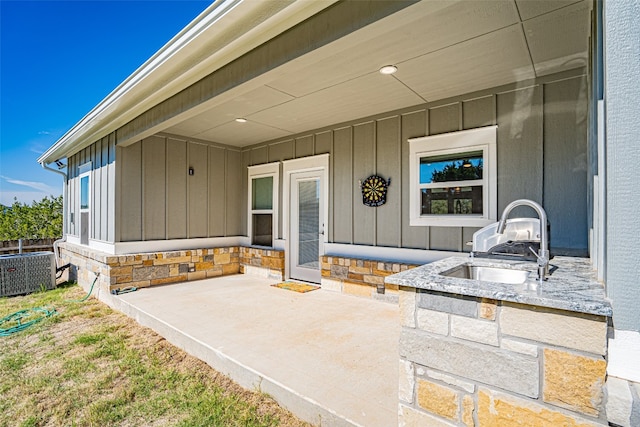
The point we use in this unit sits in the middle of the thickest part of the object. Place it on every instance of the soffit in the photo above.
(486, 61)
(245, 104)
(558, 41)
(223, 32)
(343, 102)
(531, 8)
(421, 30)
(442, 49)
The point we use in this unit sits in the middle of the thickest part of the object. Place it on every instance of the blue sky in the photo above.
(59, 59)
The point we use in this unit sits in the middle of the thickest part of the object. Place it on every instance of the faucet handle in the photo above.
(542, 260)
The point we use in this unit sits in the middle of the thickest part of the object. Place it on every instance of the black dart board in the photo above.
(374, 191)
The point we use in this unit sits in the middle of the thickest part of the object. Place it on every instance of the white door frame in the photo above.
(298, 270)
(305, 164)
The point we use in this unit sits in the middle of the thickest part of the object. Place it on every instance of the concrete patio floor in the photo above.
(331, 359)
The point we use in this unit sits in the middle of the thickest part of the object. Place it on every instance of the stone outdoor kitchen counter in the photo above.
(572, 284)
(481, 353)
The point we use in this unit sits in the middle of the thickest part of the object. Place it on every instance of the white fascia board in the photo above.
(172, 68)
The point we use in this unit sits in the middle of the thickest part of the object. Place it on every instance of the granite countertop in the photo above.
(572, 284)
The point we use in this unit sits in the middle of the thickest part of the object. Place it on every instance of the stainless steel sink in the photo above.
(487, 274)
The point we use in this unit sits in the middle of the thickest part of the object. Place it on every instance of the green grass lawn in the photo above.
(88, 365)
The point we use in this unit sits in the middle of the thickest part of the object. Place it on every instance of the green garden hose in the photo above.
(18, 319)
(86, 297)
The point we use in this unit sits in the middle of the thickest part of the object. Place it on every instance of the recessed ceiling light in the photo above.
(388, 69)
(241, 120)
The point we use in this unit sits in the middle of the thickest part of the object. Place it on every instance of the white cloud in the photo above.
(36, 150)
(44, 140)
(40, 186)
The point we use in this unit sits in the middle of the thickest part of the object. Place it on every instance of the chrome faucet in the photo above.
(543, 252)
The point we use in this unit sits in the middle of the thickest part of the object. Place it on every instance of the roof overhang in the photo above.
(223, 32)
(293, 66)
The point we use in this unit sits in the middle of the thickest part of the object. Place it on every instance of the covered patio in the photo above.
(331, 359)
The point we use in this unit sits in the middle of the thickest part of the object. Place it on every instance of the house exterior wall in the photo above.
(102, 222)
(542, 128)
(159, 200)
(622, 30)
(622, 131)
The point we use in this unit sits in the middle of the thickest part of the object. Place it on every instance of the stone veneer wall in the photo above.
(267, 263)
(159, 268)
(467, 361)
(623, 402)
(360, 277)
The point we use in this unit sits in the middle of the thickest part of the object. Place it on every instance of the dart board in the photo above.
(374, 191)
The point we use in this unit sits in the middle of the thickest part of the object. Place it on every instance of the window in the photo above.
(263, 203)
(84, 172)
(453, 179)
(84, 192)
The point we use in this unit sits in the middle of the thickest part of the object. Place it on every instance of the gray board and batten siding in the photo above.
(622, 159)
(542, 150)
(102, 221)
(542, 156)
(159, 200)
(148, 195)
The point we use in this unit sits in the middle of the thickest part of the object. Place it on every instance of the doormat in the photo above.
(296, 287)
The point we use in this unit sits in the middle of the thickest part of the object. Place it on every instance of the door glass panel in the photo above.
(84, 192)
(308, 227)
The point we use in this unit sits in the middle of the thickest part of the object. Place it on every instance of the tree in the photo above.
(457, 171)
(40, 220)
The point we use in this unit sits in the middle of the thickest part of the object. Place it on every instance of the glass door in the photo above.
(307, 229)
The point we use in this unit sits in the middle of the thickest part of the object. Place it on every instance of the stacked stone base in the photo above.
(466, 361)
(623, 402)
(260, 262)
(361, 277)
(161, 268)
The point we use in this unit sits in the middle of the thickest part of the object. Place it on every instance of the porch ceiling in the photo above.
(441, 48)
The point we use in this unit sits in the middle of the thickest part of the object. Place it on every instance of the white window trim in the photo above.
(484, 139)
(262, 171)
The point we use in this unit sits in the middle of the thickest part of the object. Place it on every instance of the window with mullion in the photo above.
(453, 178)
(263, 203)
(262, 211)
